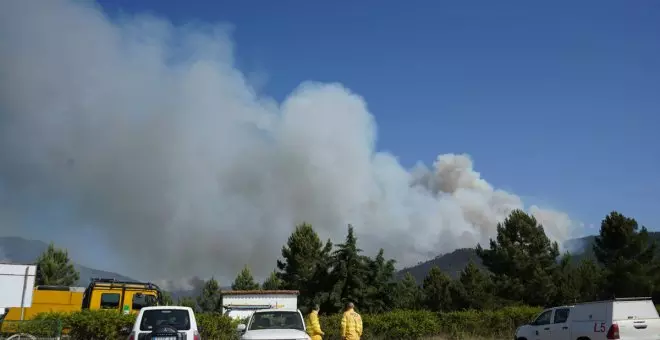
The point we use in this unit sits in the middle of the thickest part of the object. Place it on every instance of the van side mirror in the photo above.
(241, 328)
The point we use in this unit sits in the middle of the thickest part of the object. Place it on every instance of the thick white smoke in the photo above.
(150, 136)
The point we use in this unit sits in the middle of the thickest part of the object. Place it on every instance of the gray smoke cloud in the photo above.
(151, 137)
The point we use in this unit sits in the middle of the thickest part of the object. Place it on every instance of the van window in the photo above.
(110, 300)
(543, 319)
(154, 318)
(561, 315)
(143, 300)
(640, 309)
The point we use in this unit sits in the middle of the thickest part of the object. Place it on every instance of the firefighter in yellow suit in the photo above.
(314, 329)
(351, 324)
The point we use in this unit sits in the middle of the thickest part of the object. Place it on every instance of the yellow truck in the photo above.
(127, 297)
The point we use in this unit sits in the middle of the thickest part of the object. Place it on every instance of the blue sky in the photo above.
(557, 101)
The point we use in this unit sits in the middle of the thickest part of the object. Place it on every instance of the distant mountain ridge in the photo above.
(19, 250)
(454, 262)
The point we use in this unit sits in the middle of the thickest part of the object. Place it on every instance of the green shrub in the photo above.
(217, 326)
(107, 324)
(418, 324)
(98, 324)
(501, 322)
(39, 328)
(401, 324)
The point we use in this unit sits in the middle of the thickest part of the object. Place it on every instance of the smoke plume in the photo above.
(148, 135)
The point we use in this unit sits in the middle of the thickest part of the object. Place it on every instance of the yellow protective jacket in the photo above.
(314, 327)
(351, 325)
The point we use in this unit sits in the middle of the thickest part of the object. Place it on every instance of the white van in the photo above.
(165, 322)
(625, 319)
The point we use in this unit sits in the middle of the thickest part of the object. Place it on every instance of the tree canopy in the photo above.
(54, 268)
(245, 281)
(521, 265)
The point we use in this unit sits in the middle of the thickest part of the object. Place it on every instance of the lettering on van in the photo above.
(600, 327)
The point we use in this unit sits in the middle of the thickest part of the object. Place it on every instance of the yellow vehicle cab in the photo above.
(127, 297)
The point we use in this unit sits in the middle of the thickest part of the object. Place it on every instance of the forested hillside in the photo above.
(453, 263)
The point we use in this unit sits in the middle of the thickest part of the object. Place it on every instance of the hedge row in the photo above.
(417, 324)
(107, 325)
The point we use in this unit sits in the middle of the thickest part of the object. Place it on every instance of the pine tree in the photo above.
(245, 280)
(379, 285)
(473, 290)
(272, 282)
(54, 268)
(188, 302)
(349, 272)
(590, 280)
(437, 289)
(567, 281)
(523, 260)
(407, 294)
(305, 264)
(209, 298)
(167, 299)
(628, 256)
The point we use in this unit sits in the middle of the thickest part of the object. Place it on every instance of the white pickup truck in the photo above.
(274, 324)
(165, 322)
(625, 319)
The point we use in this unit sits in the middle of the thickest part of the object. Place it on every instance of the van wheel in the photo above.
(521, 339)
(583, 338)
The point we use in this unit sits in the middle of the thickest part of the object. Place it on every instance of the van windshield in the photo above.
(155, 318)
(276, 320)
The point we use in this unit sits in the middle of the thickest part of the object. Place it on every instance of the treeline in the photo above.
(522, 267)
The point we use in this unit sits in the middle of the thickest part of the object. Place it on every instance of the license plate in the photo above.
(164, 338)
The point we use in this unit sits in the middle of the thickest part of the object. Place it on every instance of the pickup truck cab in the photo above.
(274, 324)
(165, 322)
(625, 319)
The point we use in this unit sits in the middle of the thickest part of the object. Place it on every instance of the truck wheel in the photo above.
(521, 339)
(583, 338)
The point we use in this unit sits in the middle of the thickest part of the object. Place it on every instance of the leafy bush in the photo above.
(417, 324)
(38, 328)
(217, 326)
(501, 322)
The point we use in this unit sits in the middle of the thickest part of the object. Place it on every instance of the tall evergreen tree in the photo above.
(244, 280)
(167, 299)
(628, 255)
(567, 281)
(304, 258)
(189, 302)
(473, 290)
(54, 268)
(523, 260)
(379, 285)
(437, 289)
(272, 282)
(321, 282)
(209, 298)
(348, 272)
(407, 294)
(590, 280)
